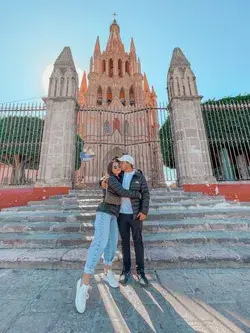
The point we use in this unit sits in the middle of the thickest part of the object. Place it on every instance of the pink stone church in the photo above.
(119, 111)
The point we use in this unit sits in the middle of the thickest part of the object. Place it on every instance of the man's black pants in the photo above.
(125, 223)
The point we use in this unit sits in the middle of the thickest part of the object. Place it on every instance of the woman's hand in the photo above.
(104, 183)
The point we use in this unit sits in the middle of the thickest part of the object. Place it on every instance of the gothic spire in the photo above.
(132, 46)
(83, 90)
(114, 43)
(153, 92)
(84, 86)
(91, 65)
(178, 59)
(97, 52)
(65, 59)
(139, 65)
(146, 85)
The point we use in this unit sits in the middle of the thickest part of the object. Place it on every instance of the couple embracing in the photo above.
(124, 206)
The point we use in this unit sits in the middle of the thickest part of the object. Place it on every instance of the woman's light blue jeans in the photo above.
(105, 241)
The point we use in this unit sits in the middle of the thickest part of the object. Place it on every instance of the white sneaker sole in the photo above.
(111, 285)
(76, 302)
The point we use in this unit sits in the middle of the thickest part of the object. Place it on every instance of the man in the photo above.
(132, 214)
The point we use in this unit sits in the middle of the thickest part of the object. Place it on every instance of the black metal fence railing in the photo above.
(228, 132)
(21, 130)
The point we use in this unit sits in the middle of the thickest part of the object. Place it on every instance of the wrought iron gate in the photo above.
(143, 133)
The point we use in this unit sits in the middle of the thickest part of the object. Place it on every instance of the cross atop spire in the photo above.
(114, 14)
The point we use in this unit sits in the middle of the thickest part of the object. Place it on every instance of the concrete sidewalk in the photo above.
(186, 300)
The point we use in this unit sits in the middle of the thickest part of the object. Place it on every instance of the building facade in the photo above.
(118, 112)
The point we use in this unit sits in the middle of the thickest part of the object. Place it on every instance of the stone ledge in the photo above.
(155, 257)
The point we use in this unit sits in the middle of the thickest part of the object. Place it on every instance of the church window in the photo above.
(178, 87)
(111, 68)
(131, 96)
(55, 90)
(120, 68)
(73, 82)
(107, 127)
(184, 90)
(109, 95)
(190, 92)
(99, 96)
(103, 66)
(61, 86)
(67, 87)
(122, 97)
(126, 127)
(127, 67)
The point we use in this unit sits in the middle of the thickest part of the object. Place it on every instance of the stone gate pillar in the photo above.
(57, 160)
(192, 158)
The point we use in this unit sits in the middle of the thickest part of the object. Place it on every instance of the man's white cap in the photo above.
(127, 158)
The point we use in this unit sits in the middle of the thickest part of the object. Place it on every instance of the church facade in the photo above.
(118, 112)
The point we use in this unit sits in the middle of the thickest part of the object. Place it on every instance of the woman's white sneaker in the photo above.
(82, 294)
(110, 279)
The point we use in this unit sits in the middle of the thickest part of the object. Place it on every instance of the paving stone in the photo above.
(38, 321)
(177, 300)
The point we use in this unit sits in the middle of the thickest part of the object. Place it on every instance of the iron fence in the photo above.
(21, 130)
(228, 132)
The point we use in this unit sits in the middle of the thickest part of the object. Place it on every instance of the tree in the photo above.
(226, 127)
(166, 143)
(20, 145)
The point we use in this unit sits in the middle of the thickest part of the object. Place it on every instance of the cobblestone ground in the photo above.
(186, 300)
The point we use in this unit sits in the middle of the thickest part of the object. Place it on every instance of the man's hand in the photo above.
(142, 217)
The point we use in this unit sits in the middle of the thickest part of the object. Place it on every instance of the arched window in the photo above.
(67, 87)
(127, 67)
(122, 96)
(103, 66)
(120, 68)
(99, 96)
(61, 86)
(131, 96)
(109, 95)
(107, 127)
(111, 69)
(126, 127)
(73, 87)
(55, 90)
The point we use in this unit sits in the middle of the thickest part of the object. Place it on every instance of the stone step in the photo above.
(154, 214)
(195, 255)
(87, 228)
(57, 240)
(72, 201)
(91, 206)
(152, 194)
(159, 190)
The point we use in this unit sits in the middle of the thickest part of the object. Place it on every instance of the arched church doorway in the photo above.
(111, 154)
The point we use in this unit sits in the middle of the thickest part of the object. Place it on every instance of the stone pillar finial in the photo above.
(192, 158)
(57, 160)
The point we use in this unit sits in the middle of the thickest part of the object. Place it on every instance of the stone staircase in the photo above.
(183, 229)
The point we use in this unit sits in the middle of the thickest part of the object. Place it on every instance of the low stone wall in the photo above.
(233, 191)
(20, 196)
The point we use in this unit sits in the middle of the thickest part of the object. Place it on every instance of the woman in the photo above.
(105, 236)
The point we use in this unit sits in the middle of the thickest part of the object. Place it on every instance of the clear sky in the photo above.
(213, 34)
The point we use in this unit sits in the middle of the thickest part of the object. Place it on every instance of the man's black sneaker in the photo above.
(142, 279)
(124, 277)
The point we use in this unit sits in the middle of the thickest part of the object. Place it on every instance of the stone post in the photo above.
(57, 160)
(192, 157)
